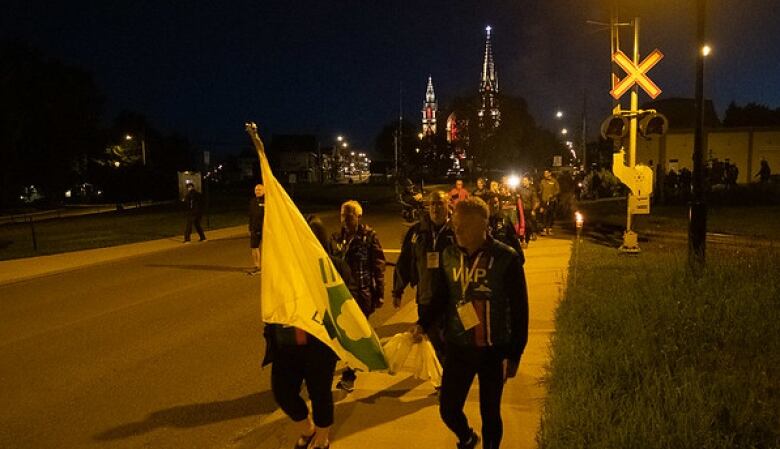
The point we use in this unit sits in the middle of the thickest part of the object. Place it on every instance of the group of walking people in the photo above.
(528, 207)
(471, 300)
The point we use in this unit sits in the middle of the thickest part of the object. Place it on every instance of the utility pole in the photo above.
(697, 225)
(584, 130)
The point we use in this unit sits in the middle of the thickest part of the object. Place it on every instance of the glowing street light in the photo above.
(706, 50)
(339, 138)
(559, 114)
(344, 144)
(564, 131)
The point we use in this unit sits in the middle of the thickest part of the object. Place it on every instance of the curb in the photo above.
(19, 270)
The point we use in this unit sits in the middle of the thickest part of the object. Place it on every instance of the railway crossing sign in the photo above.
(637, 74)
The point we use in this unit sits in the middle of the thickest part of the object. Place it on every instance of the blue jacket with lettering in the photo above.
(492, 281)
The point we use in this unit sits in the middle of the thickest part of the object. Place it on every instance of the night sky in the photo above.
(329, 66)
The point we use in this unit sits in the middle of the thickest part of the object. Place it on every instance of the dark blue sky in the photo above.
(333, 66)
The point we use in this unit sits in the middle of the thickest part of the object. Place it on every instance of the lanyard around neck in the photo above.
(467, 274)
(436, 235)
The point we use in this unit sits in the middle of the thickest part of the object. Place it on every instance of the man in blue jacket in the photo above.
(480, 293)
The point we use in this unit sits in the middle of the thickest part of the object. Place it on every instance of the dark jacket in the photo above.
(193, 200)
(364, 255)
(502, 229)
(256, 215)
(498, 290)
(412, 265)
(528, 198)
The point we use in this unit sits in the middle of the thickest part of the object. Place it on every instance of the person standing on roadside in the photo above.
(193, 200)
(480, 293)
(548, 191)
(256, 216)
(419, 259)
(358, 246)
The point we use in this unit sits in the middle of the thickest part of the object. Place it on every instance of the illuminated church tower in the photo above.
(489, 116)
(429, 111)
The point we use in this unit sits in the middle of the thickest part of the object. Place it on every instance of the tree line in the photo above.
(54, 135)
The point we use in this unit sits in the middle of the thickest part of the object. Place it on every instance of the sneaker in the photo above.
(187, 241)
(471, 443)
(544, 232)
(549, 231)
(347, 385)
(253, 272)
(202, 240)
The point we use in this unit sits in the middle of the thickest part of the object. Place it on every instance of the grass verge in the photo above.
(757, 221)
(645, 356)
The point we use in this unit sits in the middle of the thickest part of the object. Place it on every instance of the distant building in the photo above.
(429, 110)
(681, 112)
(296, 157)
(488, 114)
(743, 147)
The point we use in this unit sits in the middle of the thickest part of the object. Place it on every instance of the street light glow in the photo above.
(564, 131)
(706, 50)
(339, 138)
(343, 144)
(128, 137)
(513, 181)
(559, 114)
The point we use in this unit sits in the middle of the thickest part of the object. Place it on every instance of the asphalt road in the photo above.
(160, 351)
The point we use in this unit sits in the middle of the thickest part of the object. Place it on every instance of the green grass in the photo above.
(759, 221)
(645, 356)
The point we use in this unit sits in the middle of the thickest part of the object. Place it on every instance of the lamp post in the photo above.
(143, 148)
(697, 224)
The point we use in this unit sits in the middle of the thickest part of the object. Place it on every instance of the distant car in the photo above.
(31, 194)
(83, 193)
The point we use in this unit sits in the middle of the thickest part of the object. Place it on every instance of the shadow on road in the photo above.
(201, 267)
(352, 416)
(194, 415)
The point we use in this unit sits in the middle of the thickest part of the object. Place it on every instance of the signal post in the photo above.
(637, 177)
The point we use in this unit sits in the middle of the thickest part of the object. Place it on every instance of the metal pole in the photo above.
(697, 226)
(584, 130)
(34, 239)
(633, 122)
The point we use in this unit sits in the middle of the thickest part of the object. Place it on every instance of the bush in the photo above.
(645, 356)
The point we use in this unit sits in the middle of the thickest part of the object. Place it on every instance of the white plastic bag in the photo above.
(404, 355)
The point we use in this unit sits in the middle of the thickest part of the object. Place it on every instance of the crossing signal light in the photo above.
(614, 127)
(653, 125)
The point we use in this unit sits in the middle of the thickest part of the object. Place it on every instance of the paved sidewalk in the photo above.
(15, 270)
(401, 412)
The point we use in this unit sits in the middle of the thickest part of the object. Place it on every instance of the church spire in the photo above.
(429, 110)
(489, 114)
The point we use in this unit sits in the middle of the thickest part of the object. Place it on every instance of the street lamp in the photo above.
(564, 131)
(339, 138)
(129, 137)
(559, 114)
(706, 50)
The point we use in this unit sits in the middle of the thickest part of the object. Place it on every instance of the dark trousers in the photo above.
(548, 215)
(193, 219)
(434, 333)
(530, 225)
(460, 366)
(313, 363)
